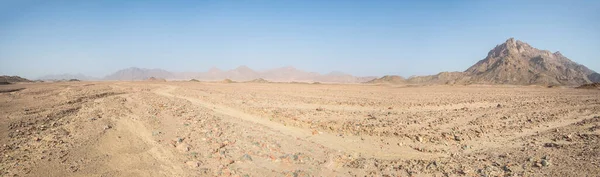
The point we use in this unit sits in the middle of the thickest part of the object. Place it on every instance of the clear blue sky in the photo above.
(357, 37)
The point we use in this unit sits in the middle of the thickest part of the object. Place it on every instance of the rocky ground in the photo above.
(276, 129)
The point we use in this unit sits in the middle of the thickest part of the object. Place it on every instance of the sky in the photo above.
(363, 38)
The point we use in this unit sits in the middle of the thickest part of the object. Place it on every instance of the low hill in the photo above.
(13, 79)
(259, 80)
(388, 79)
(154, 79)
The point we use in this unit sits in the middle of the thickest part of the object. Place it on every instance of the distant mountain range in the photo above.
(241, 73)
(512, 62)
(59, 77)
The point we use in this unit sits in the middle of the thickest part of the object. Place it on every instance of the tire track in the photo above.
(348, 144)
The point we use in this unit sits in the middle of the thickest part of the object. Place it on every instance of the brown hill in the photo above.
(516, 62)
(154, 79)
(227, 81)
(441, 78)
(259, 80)
(388, 79)
(12, 79)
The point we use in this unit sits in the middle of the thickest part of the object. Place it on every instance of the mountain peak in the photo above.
(558, 54)
(510, 41)
(510, 47)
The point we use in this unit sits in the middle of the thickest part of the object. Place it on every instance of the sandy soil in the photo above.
(276, 129)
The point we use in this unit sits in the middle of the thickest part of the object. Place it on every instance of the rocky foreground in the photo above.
(276, 129)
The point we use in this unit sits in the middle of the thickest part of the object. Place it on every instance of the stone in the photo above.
(183, 147)
(192, 164)
(246, 157)
(545, 163)
(178, 140)
(419, 139)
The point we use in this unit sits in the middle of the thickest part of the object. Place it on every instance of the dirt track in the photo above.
(274, 129)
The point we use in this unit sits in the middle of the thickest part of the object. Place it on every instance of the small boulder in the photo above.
(193, 164)
(458, 138)
(545, 163)
(183, 147)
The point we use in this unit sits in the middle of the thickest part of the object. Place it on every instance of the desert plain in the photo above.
(181, 128)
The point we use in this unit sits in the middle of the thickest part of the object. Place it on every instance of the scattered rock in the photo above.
(193, 164)
(183, 147)
(506, 168)
(457, 138)
(554, 145)
(545, 163)
(178, 140)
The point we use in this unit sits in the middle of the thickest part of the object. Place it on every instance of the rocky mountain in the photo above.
(55, 77)
(134, 73)
(241, 73)
(516, 62)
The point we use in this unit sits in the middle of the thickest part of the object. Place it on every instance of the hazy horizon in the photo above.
(373, 38)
